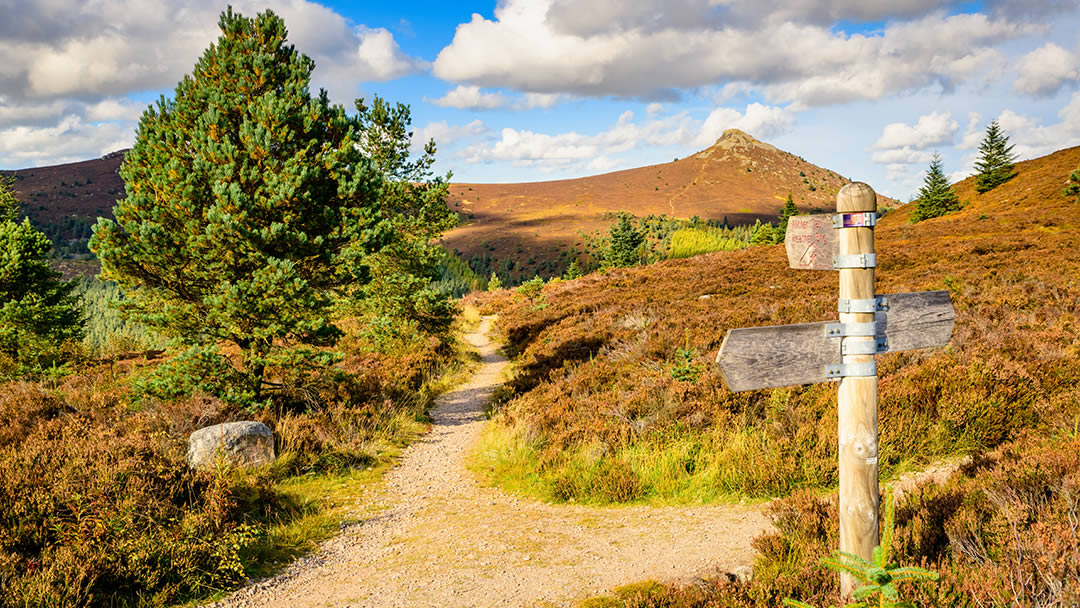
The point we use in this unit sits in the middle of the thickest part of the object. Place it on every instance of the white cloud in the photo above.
(905, 155)
(114, 109)
(654, 109)
(601, 164)
(572, 149)
(72, 60)
(92, 50)
(445, 135)
(630, 49)
(540, 100)
(1045, 70)
(758, 120)
(69, 140)
(974, 133)
(1032, 139)
(31, 113)
(469, 98)
(933, 129)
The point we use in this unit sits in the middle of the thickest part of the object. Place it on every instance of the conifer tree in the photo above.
(1073, 187)
(494, 284)
(414, 203)
(996, 162)
(37, 310)
(623, 243)
(936, 197)
(573, 271)
(250, 205)
(789, 209)
(9, 204)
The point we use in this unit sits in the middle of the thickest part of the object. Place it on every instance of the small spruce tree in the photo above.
(494, 284)
(996, 162)
(624, 241)
(936, 197)
(573, 271)
(763, 234)
(789, 209)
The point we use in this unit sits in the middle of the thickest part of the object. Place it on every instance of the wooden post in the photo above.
(857, 400)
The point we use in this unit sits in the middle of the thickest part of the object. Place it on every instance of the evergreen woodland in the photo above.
(936, 197)
(996, 162)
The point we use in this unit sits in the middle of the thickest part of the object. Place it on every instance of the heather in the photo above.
(1001, 531)
(596, 410)
(99, 508)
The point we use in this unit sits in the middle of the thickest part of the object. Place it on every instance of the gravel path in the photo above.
(434, 537)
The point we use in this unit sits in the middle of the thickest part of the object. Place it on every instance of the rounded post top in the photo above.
(855, 197)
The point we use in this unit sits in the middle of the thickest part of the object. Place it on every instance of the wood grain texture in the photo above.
(784, 355)
(781, 355)
(857, 411)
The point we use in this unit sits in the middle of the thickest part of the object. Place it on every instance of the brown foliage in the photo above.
(98, 507)
(594, 363)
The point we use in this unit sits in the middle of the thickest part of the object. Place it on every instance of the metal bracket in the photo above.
(840, 330)
(878, 304)
(855, 260)
(865, 347)
(850, 370)
(865, 219)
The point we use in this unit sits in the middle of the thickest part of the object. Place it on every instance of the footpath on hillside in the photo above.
(432, 536)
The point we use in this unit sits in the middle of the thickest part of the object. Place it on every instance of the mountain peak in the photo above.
(734, 138)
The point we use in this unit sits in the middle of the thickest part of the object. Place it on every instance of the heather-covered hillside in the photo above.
(604, 405)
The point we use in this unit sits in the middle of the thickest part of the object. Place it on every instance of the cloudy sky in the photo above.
(529, 90)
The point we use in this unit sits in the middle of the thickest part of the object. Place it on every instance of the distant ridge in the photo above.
(738, 178)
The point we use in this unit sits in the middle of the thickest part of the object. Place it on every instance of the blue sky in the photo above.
(530, 90)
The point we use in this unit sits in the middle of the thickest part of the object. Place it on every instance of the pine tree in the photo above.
(789, 209)
(414, 203)
(624, 240)
(9, 204)
(37, 310)
(1073, 188)
(573, 271)
(494, 284)
(936, 197)
(250, 205)
(996, 162)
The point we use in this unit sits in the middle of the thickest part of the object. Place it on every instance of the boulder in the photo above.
(241, 444)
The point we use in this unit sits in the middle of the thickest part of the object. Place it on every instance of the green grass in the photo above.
(688, 242)
(679, 468)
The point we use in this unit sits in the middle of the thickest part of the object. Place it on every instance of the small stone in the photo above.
(240, 444)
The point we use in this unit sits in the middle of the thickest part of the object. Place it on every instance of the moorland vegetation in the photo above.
(276, 254)
(600, 408)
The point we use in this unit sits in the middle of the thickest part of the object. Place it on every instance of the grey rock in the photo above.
(241, 444)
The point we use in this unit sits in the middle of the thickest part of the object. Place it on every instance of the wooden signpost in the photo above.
(808, 353)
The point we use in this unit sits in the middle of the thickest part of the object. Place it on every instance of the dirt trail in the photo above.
(437, 538)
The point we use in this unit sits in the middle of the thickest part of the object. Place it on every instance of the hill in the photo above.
(615, 396)
(541, 226)
(64, 201)
(739, 179)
